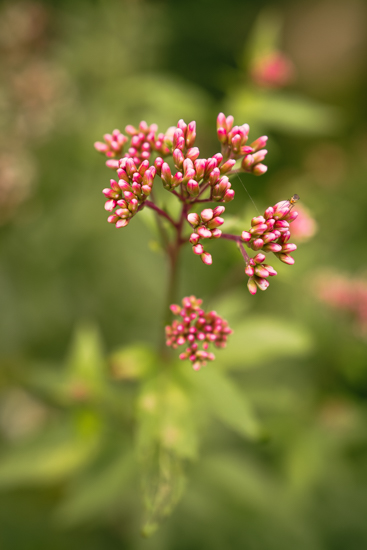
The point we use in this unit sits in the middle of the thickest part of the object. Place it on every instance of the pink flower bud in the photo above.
(216, 233)
(292, 216)
(269, 213)
(100, 147)
(111, 163)
(206, 214)
(247, 162)
(222, 135)
(286, 259)
(259, 156)
(229, 195)
(193, 153)
(190, 134)
(110, 205)
(221, 121)
(166, 174)
(204, 232)
(259, 229)
(194, 238)
(175, 309)
(227, 166)
(215, 222)
(268, 237)
(133, 205)
(259, 143)
(193, 219)
(146, 189)
(289, 247)
(218, 210)
(251, 285)
(259, 169)
(249, 270)
(262, 284)
(229, 121)
(193, 188)
(218, 157)
(158, 165)
(260, 271)
(177, 179)
(214, 176)
(178, 158)
(122, 223)
(200, 165)
(270, 223)
(272, 247)
(198, 249)
(246, 236)
(259, 258)
(270, 270)
(206, 258)
(257, 220)
(112, 219)
(257, 244)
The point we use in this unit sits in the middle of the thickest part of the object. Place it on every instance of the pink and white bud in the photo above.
(194, 219)
(218, 210)
(166, 174)
(261, 283)
(122, 223)
(259, 258)
(292, 216)
(214, 176)
(249, 270)
(133, 206)
(194, 238)
(260, 271)
(229, 195)
(269, 213)
(158, 163)
(259, 143)
(221, 121)
(178, 158)
(100, 147)
(268, 237)
(198, 249)
(222, 135)
(259, 169)
(176, 180)
(259, 156)
(259, 229)
(215, 222)
(110, 205)
(216, 233)
(257, 244)
(251, 285)
(227, 166)
(204, 232)
(112, 163)
(190, 134)
(193, 188)
(206, 215)
(206, 258)
(200, 165)
(218, 157)
(247, 163)
(246, 236)
(289, 247)
(193, 153)
(257, 220)
(285, 258)
(272, 247)
(270, 270)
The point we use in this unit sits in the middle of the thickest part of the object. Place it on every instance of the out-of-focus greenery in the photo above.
(102, 438)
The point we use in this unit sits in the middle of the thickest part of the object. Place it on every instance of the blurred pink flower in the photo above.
(274, 70)
(304, 226)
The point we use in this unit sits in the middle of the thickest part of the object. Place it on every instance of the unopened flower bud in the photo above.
(259, 143)
(193, 219)
(198, 249)
(206, 214)
(215, 222)
(193, 153)
(262, 284)
(259, 169)
(251, 285)
(194, 238)
(206, 258)
(246, 236)
(285, 258)
(193, 188)
(249, 270)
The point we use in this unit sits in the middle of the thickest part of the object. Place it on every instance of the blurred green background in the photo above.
(270, 441)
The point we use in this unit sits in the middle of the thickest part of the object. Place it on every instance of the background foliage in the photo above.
(264, 449)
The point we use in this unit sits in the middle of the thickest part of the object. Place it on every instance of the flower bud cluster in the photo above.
(196, 328)
(130, 192)
(206, 226)
(143, 141)
(234, 145)
(269, 233)
(113, 144)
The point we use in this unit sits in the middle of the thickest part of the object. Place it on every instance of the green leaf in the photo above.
(264, 338)
(284, 112)
(98, 492)
(226, 402)
(47, 459)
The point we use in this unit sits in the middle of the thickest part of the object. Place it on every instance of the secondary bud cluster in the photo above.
(113, 144)
(143, 142)
(269, 233)
(129, 193)
(206, 226)
(196, 328)
(234, 145)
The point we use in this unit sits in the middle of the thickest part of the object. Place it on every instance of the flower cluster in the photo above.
(269, 233)
(135, 185)
(206, 226)
(196, 328)
(234, 139)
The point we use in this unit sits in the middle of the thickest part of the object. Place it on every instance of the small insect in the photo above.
(294, 199)
(289, 202)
